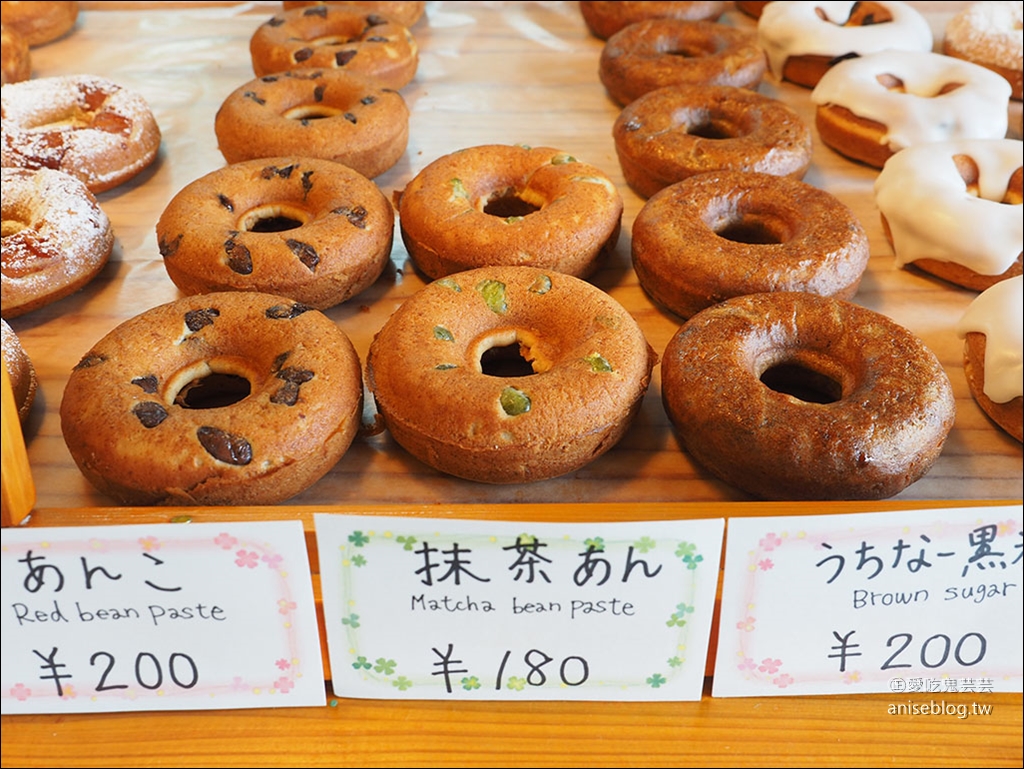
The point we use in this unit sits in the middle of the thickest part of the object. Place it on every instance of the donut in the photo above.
(39, 22)
(20, 371)
(870, 107)
(509, 204)
(953, 209)
(659, 52)
(56, 238)
(16, 63)
(751, 8)
(604, 19)
(312, 230)
(405, 13)
(804, 40)
(220, 399)
(84, 125)
(795, 396)
(730, 233)
(993, 337)
(990, 34)
(679, 131)
(319, 113)
(335, 37)
(508, 374)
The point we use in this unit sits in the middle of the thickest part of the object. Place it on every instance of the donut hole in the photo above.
(802, 381)
(208, 385)
(507, 203)
(712, 124)
(311, 112)
(509, 353)
(891, 82)
(747, 223)
(967, 167)
(274, 218)
(862, 14)
(689, 49)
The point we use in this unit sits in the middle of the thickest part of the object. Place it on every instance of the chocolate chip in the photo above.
(148, 383)
(305, 252)
(90, 360)
(318, 93)
(307, 182)
(316, 10)
(376, 39)
(275, 22)
(269, 172)
(149, 413)
(302, 54)
(356, 215)
(171, 248)
(279, 361)
(367, 100)
(341, 58)
(269, 79)
(197, 319)
(287, 312)
(351, 118)
(239, 258)
(255, 97)
(373, 20)
(225, 201)
(288, 393)
(228, 448)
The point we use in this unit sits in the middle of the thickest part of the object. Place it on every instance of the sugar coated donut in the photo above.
(604, 18)
(509, 204)
(993, 339)
(405, 13)
(20, 371)
(56, 238)
(791, 395)
(659, 52)
(803, 40)
(953, 209)
(335, 36)
(729, 233)
(312, 230)
(675, 132)
(990, 34)
(16, 64)
(509, 374)
(871, 107)
(320, 113)
(84, 125)
(39, 22)
(220, 399)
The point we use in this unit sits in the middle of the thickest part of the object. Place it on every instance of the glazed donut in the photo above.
(20, 370)
(83, 125)
(220, 399)
(793, 396)
(405, 13)
(729, 233)
(676, 132)
(504, 204)
(751, 8)
(990, 34)
(16, 63)
(659, 52)
(56, 238)
(509, 374)
(332, 36)
(871, 107)
(312, 230)
(804, 40)
(319, 113)
(993, 338)
(604, 19)
(39, 22)
(953, 209)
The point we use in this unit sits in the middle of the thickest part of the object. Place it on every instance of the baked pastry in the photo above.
(39, 22)
(405, 13)
(990, 34)
(20, 371)
(16, 64)
(606, 17)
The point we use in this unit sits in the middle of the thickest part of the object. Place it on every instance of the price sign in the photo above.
(475, 610)
(158, 617)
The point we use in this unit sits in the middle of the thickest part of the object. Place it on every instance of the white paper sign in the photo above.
(158, 617)
(484, 610)
(918, 601)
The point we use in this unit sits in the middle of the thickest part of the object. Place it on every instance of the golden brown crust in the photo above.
(20, 370)
(312, 230)
(855, 137)
(1010, 415)
(319, 113)
(724, 234)
(472, 208)
(16, 64)
(131, 435)
(40, 22)
(405, 13)
(426, 372)
(659, 52)
(887, 410)
(334, 36)
(604, 19)
(673, 133)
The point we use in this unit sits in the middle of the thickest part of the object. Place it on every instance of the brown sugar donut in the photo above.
(39, 22)
(791, 395)
(871, 107)
(990, 34)
(659, 52)
(953, 209)
(56, 238)
(509, 204)
(16, 63)
(405, 13)
(334, 36)
(319, 113)
(83, 125)
(604, 18)
(675, 132)
(729, 233)
(20, 371)
(312, 230)
(803, 40)
(993, 340)
(509, 374)
(219, 399)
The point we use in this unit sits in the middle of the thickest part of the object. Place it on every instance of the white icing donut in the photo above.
(998, 313)
(931, 213)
